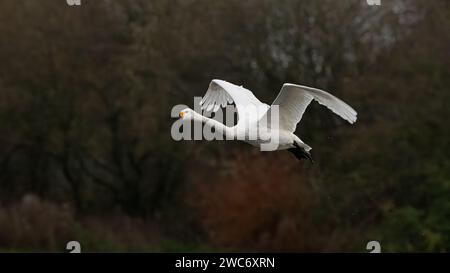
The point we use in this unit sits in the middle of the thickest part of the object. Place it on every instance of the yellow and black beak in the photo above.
(181, 114)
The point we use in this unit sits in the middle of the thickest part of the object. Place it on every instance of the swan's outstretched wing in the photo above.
(294, 99)
(220, 93)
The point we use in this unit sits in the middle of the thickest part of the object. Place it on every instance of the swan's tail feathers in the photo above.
(301, 153)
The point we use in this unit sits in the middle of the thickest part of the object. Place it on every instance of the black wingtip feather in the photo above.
(300, 153)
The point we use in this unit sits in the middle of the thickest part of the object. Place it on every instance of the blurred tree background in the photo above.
(85, 146)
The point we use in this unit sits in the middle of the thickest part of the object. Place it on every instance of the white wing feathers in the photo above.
(294, 99)
(220, 93)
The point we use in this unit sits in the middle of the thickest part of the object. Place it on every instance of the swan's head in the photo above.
(186, 113)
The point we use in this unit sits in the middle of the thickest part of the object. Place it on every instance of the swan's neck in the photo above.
(218, 126)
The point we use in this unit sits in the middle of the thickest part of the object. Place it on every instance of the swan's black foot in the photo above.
(300, 153)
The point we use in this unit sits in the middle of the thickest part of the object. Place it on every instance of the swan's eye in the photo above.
(181, 114)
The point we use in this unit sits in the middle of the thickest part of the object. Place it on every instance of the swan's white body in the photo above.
(290, 106)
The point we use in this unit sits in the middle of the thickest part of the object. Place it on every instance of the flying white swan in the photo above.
(288, 108)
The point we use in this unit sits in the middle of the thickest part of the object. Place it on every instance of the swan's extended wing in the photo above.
(294, 99)
(220, 93)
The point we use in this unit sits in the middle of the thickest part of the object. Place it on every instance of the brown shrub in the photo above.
(260, 203)
(37, 225)
(41, 226)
